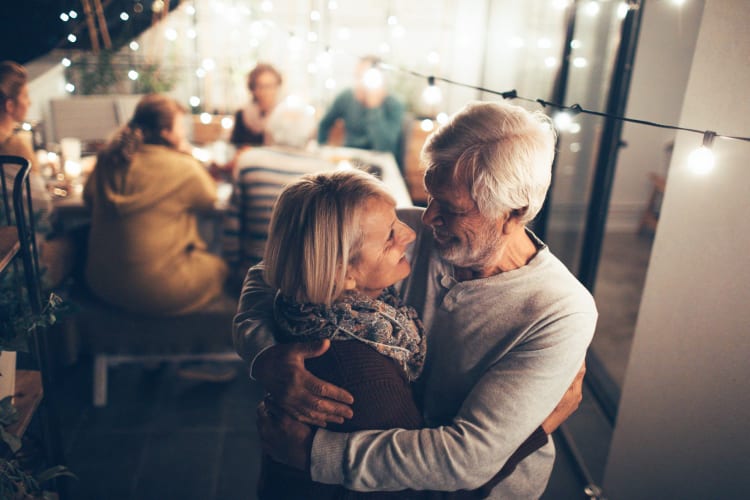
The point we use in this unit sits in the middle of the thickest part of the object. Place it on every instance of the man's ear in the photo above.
(350, 283)
(513, 220)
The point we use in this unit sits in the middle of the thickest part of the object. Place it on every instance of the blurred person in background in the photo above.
(145, 254)
(260, 175)
(372, 117)
(263, 82)
(54, 250)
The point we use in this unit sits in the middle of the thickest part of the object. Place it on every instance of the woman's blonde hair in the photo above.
(153, 114)
(315, 233)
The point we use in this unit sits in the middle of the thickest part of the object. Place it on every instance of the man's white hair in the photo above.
(501, 151)
(292, 123)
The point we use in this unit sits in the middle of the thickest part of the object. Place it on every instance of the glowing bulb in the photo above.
(157, 6)
(202, 155)
(432, 95)
(580, 62)
(124, 16)
(66, 62)
(73, 14)
(344, 165)
(205, 118)
(72, 168)
(701, 161)
(191, 34)
(433, 57)
(574, 128)
(72, 38)
(200, 73)
(576, 44)
(26, 126)
(134, 45)
(171, 34)
(442, 118)
(373, 78)
(133, 74)
(190, 9)
(575, 147)
(563, 120)
(69, 87)
(227, 122)
(427, 125)
(310, 110)
(194, 101)
(592, 8)
(64, 17)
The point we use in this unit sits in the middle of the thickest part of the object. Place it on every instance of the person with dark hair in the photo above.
(372, 117)
(263, 82)
(145, 254)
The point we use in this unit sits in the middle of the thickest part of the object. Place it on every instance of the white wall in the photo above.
(682, 429)
(660, 74)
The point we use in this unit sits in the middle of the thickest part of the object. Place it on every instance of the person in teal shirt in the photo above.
(372, 118)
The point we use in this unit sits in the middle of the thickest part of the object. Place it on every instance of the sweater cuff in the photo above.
(327, 457)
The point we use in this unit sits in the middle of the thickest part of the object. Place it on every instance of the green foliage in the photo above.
(17, 483)
(153, 79)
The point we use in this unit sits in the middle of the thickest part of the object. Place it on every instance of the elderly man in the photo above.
(508, 327)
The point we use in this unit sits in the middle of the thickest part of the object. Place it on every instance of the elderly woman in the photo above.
(263, 82)
(145, 254)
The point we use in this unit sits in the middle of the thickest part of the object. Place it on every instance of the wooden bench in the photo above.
(114, 336)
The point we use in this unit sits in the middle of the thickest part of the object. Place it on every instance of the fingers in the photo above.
(313, 349)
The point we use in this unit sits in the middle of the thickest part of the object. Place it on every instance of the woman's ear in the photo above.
(350, 283)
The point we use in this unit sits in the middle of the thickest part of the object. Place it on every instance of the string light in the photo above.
(431, 95)
(64, 17)
(66, 62)
(124, 16)
(701, 161)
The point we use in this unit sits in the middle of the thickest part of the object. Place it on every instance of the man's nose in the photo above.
(431, 215)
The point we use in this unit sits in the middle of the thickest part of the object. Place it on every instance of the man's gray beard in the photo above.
(474, 258)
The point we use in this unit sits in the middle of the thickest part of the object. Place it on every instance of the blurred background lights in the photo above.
(26, 126)
(392, 20)
(66, 62)
(333, 5)
(171, 34)
(622, 10)
(544, 43)
(64, 17)
(73, 14)
(550, 62)
(72, 38)
(69, 87)
(134, 45)
(208, 64)
(563, 120)
(266, 6)
(190, 9)
(314, 15)
(124, 16)
(133, 74)
(194, 101)
(580, 62)
(576, 44)
(205, 118)
(427, 125)
(442, 118)
(560, 4)
(592, 8)
(227, 122)
(433, 57)
(330, 84)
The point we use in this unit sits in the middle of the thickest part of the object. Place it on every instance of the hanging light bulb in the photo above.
(563, 120)
(432, 94)
(701, 161)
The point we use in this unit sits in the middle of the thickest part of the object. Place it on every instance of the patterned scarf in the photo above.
(386, 324)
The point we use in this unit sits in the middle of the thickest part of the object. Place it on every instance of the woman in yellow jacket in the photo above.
(145, 253)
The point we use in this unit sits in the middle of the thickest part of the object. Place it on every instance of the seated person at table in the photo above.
(263, 82)
(259, 177)
(54, 250)
(372, 118)
(335, 249)
(145, 253)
